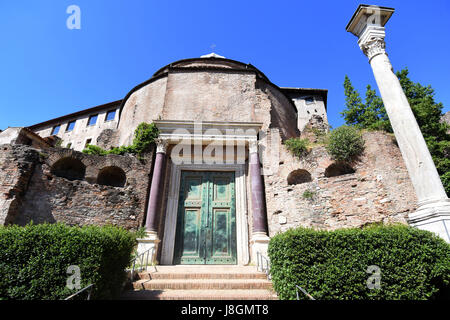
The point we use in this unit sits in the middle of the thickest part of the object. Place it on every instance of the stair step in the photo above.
(205, 275)
(199, 284)
(236, 294)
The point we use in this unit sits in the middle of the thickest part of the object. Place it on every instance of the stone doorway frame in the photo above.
(242, 238)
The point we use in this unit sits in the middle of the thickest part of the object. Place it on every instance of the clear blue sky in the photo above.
(47, 70)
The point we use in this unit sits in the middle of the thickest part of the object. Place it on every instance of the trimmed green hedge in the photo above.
(34, 260)
(414, 264)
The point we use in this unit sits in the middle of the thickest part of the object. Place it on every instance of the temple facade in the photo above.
(219, 182)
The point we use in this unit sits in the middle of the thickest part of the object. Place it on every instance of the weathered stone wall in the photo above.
(208, 91)
(378, 191)
(42, 194)
(143, 105)
(17, 163)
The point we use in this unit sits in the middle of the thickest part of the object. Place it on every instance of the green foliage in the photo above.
(91, 149)
(308, 194)
(144, 135)
(299, 147)
(369, 115)
(345, 143)
(34, 260)
(372, 115)
(141, 233)
(414, 264)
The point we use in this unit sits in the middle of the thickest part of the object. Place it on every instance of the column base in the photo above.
(147, 243)
(434, 217)
(259, 243)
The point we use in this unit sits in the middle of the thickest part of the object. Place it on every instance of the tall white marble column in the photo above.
(433, 211)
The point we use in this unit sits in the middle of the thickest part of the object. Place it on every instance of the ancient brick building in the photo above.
(219, 181)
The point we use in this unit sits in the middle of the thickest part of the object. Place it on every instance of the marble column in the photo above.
(155, 199)
(259, 240)
(433, 211)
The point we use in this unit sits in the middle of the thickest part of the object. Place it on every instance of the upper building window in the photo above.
(309, 100)
(55, 129)
(92, 120)
(110, 115)
(70, 125)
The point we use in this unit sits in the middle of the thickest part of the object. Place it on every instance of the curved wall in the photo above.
(209, 91)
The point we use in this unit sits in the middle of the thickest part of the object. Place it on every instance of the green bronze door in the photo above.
(206, 222)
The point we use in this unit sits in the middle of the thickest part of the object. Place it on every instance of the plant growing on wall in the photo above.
(345, 143)
(299, 147)
(308, 194)
(144, 135)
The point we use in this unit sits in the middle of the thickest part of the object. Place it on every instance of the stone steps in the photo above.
(201, 283)
(235, 294)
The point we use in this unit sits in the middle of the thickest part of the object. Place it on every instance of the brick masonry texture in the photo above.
(378, 191)
(30, 191)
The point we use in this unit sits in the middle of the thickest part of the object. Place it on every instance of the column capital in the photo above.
(253, 146)
(161, 145)
(371, 41)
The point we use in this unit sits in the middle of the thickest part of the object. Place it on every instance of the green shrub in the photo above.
(34, 260)
(144, 135)
(414, 264)
(297, 146)
(91, 149)
(345, 143)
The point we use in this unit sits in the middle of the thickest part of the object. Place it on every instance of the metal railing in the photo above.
(263, 264)
(304, 291)
(140, 262)
(89, 288)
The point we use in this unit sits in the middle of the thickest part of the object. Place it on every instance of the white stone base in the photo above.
(259, 243)
(434, 217)
(150, 241)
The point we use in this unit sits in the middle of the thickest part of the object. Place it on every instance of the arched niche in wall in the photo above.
(338, 169)
(298, 176)
(69, 168)
(112, 176)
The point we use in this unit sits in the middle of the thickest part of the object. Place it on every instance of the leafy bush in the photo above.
(414, 264)
(297, 146)
(91, 149)
(345, 143)
(34, 260)
(144, 135)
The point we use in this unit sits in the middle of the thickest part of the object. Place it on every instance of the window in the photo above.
(110, 115)
(55, 129)
(70, 126)
(92, 120)
(88, 141)
(309, 100)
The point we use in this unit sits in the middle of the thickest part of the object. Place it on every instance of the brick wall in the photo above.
(43, 196)
(378, 191)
